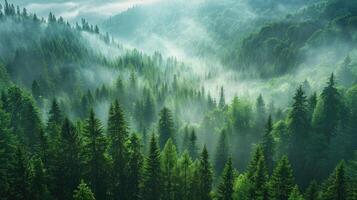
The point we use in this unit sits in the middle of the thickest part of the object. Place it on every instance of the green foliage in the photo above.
(225, 188)
(166, 127)
(282, 180)
(83, 192)
(205, 176)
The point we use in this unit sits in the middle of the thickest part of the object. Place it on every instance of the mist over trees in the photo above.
(84, 117)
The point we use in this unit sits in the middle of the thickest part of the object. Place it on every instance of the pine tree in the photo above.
(222, 152)
(135, 164)
(7, 151)
(118, 133)
(258, 176)
(268, 144)
(166, 127)
(336, 187)
(83, 192)
(282, 180)
(192, 146)
(205, 176)
(20, 186)
(225, 188)
(260, 113)
(68, 162)
(38, 180)
(222, 101)
(295, 194)
(169, 171)
(311, 192)
(95, 161)
(327, 112)
(298, 127)
(152, 188)
(186, 139)
(185, 175)
(54, 120)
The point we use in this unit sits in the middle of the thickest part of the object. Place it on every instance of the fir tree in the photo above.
(20, 186)
(118, 133)
(295, 194)
(95, 161)
(336, 187)
(83, 192)
(192, 146)
(135, 165)
(222, 152)
(169, 170)
(185, 175)
(152, 188)
(282, 180)
(166, 127)
(225, 188)
(260, 113)
(268, 144)
(311, 192)
(205, 176)
(38, 180)
(222, 101)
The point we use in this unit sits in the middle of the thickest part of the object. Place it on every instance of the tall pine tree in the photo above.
(225, 188)
(166, 127)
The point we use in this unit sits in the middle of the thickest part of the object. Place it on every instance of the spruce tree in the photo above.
(166, 127)
(185, 139)
(20, 186)
(83, 192)
(169, 171)
(295, 194)
(185, 176)
(282, 180)
(135, 167)
(55, 118)
(118, 134)
(192, 147)
(298, 127)
(222, 101)
(95, 160)
(260, 110)
(205, 176)
(222, 152)
(38, 180)
(225, 188)
(268, 144)
(336, 187)
(152, 185)
(312, 192)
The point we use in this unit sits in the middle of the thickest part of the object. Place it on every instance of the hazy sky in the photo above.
(73, 10)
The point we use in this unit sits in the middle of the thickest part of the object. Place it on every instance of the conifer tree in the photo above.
(268, 144)
(336, 187)
(298, 126)
(260, 113)
(166, 127)
(54, 122)
(169, 170)
(311, 192)
(225, 188)
(222, 101)
(83, 192)
(222, 152)
(152, 185)
(95, 161)
(118, 133)
(282, 180)
(205, 176)
(135, 167)
(38, 180)
(295, 194)
(185, 175)
(20, 185)
(192, 147)
(185, 139)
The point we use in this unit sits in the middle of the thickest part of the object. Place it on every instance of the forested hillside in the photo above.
(83, 116)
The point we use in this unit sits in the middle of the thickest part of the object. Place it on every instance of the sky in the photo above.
(73, 10)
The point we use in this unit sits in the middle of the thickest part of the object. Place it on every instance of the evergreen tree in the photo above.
(268, 144)
(222, 101)
(185, 175)
(152, 189)
(38, 180)
(260, 113)
(205, 176)
(95, 160)
(258, 177)
(336, 187)
(169, 171)
(282, 180)
(20, 186)
(186, 139)
(298, 127)
(68, 162)
(311, 192)
(295, 194)
(83, 192)
(135, 165)
(225, 188)
(192, 147)
(327, 112)
(222, 152)
(118, 133)
(54, 120)
(166, 127)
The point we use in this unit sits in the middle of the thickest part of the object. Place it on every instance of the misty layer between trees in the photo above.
(83, 116)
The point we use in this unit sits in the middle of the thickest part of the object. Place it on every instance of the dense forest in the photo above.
(85, 116)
